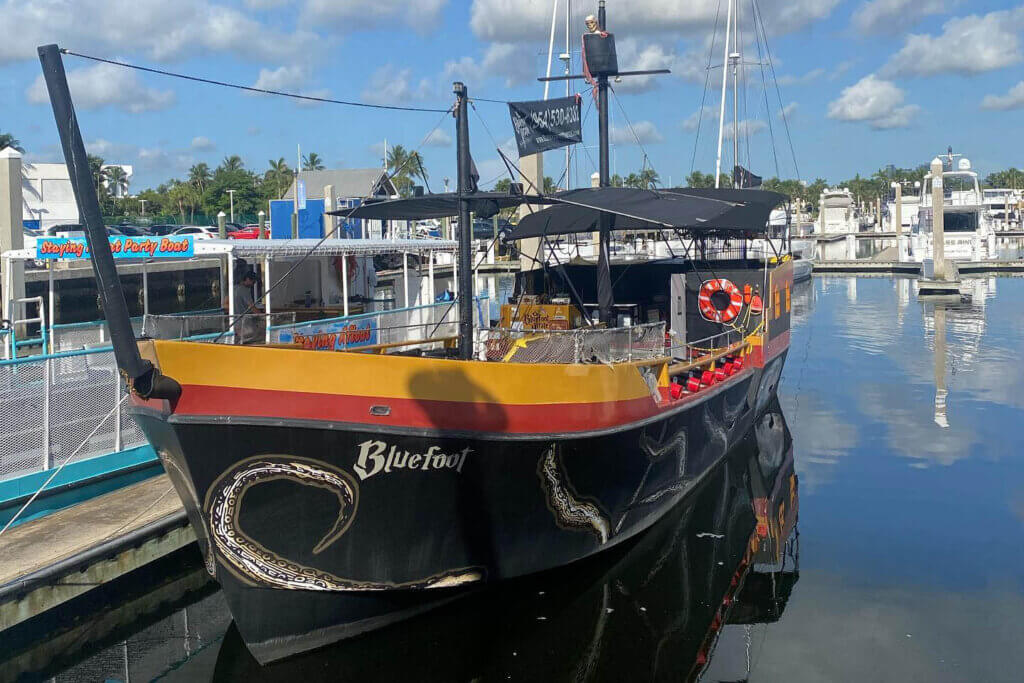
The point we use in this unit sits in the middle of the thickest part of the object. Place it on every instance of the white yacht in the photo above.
(837, 212)
(967, 231)
(1003, 208)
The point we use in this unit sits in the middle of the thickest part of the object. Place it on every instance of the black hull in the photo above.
(328, 544)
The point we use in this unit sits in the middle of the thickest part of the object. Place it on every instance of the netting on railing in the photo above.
(182, 326)
(585, 345)
(76, 336)
(49, 405)
(433, 322)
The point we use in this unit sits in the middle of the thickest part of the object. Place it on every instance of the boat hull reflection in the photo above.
(651, 609)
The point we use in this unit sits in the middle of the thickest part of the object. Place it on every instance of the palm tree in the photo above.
(116, 180)
(279, 174)
(232, 163)
(8, 140)
(184, 194)
(312, 162)
(648, 178)
(404, 166)
(199, 175)
(96, 169)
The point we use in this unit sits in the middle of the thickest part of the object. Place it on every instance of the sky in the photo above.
(861, 84)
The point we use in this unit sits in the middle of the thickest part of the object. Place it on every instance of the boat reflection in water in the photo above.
(696, 583)
(679, 602)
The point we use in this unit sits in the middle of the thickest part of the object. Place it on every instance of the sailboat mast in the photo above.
(568, 84)
(721, 108)
(605, 294)
(465, 255)
(735, 59)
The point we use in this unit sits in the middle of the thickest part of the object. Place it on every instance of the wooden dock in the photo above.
(48, 561)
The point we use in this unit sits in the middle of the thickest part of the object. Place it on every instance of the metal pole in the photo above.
(266, 293)
(551, 45)
(465, 254)
(344, 284)
(721, 108)
(405, 277)
(605, 294)
(115, 309)
(145, 287)
(50, 304)
(47, 382)
(735, 92)
(231, 287)
(117, 412)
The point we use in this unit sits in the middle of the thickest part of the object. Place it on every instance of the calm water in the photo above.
(906, 564)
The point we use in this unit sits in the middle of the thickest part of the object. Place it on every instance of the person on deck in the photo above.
(247, 329)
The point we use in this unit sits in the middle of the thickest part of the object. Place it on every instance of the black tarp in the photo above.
(723, 211)
(705, 210)
(442, 205)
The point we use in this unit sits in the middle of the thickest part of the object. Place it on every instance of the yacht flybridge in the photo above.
(334, 491)
(968, 232)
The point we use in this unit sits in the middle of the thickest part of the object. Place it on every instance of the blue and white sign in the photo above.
(171, 246)
(336, 336)
(300, 193)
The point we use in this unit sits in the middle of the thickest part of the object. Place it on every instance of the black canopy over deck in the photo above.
(720, 211)
(442, 205)
(575, 211)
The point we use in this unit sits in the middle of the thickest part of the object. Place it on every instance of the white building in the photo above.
(47, 197)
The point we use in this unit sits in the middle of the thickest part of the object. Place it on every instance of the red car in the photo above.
(249, 232)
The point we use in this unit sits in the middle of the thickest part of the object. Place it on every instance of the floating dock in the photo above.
(48, 561)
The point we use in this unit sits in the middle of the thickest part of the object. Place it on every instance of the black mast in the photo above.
(605, 294)
(142, 376)
(465, 256)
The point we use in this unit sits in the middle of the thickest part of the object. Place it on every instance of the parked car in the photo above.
(249, 232)
(132, 230)
(199, 232)
(64, 230)
(163, 229)
(483, 229)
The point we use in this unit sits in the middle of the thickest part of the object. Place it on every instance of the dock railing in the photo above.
(581, 345)
(49, 405)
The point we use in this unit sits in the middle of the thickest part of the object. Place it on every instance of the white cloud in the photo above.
(504, 21)
(967, 45)
(874, 101)
(788, 111)
(438, 138)
(352, 15)
(642, 132)
(516, 63)
(641, 55)
(704, 117)
(746, 127)
(392, 85)
(158, 29)
(106, 85)
(283, 78)
(202, 144)
(812, 75)
(894, 16)
(266, 4)
(1013, 99)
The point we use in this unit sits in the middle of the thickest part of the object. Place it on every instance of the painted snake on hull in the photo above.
(253, 562)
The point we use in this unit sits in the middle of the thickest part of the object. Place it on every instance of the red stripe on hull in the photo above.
(444, 415)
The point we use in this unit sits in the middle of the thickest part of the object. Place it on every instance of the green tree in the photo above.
(550, 186)
(404, 167)
(8, 140)
(278, 177)
(698, 179)
(184, 195)
(116, 180)
(312, 162)
(1012, 178)
(198, 176)
(231, 163)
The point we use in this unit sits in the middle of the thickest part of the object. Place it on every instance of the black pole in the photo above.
(605, 294)
(465, 256)
(140, 372)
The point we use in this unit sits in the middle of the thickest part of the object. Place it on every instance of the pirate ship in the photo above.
(333, 492)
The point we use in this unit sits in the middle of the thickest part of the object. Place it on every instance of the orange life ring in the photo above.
(707, 307)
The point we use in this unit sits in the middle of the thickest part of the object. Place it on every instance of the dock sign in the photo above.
(121, 246)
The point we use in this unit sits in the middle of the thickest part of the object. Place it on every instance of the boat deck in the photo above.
(48, 561)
